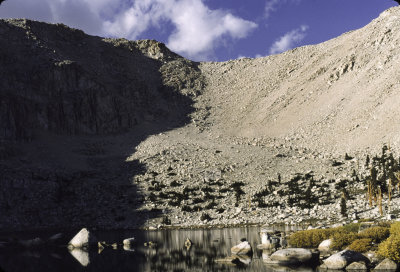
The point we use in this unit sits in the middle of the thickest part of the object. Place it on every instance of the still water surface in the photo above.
(169, 253)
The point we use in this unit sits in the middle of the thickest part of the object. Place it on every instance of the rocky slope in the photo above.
(115, 133)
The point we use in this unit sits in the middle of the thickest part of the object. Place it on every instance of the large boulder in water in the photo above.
(83, 239)
(343, 258)
(292, 256)
(244, 248)
(128, 241)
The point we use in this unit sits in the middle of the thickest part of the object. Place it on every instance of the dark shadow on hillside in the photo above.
(81, 106)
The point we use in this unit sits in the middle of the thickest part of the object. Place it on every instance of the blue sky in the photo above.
(201, 30)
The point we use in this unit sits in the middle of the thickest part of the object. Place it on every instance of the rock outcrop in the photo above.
(82, 240)
(244, 248)
(291, 256)
(343, 258)
(66, 101)
(61, 80)
(386, 265)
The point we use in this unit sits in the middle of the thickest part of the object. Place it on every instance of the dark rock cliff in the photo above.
(59, 79)
(72, 109)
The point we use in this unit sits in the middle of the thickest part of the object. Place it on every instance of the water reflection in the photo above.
(82, 256)
(167, 250)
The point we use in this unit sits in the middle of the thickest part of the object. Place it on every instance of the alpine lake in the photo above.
(152, 250)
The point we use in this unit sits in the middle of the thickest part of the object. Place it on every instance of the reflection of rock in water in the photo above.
(244, 248)
(271, 242)
(128, 248)
(237, 260)
(277, 268)
(266, 253)
(82, 256)
(245, 259)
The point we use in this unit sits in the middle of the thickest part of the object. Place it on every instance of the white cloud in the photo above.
(197, 30)
(75, 13)
(270, 6)
(289, 40)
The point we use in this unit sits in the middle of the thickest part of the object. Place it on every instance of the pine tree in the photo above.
(343, 208)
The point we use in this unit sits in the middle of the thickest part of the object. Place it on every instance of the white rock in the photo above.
(292, 256)
(128, 242)
(386, 264)
(128, 248)
(243, 248)
(343, 258)
(357, 266)
(265, 238)
(82, 239)
(325, 245)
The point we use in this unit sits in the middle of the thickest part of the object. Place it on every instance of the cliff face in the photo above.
(72, 108)
(61, 80)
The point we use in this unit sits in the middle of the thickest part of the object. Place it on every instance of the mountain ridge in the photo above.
(113, 133)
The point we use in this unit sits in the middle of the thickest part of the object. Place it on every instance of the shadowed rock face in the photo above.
(61, 80)
(72, 109)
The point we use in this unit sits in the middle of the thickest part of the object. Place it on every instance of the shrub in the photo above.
(395, 228)
(166, 220)
(352, 227)
(376, 234)
(361, 245)
(205, 216)
(310, 238)
(385, 224)
(390, 248)
(342, 239)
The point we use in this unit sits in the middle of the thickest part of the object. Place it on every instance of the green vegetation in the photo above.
(352, 227)
(237, 188)
(395, 228)
(376, 234)
(166, 220)
(348, 237)
(310, 238)
(390, 248)
(361, 245)
(205, 216)
(342, 237)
